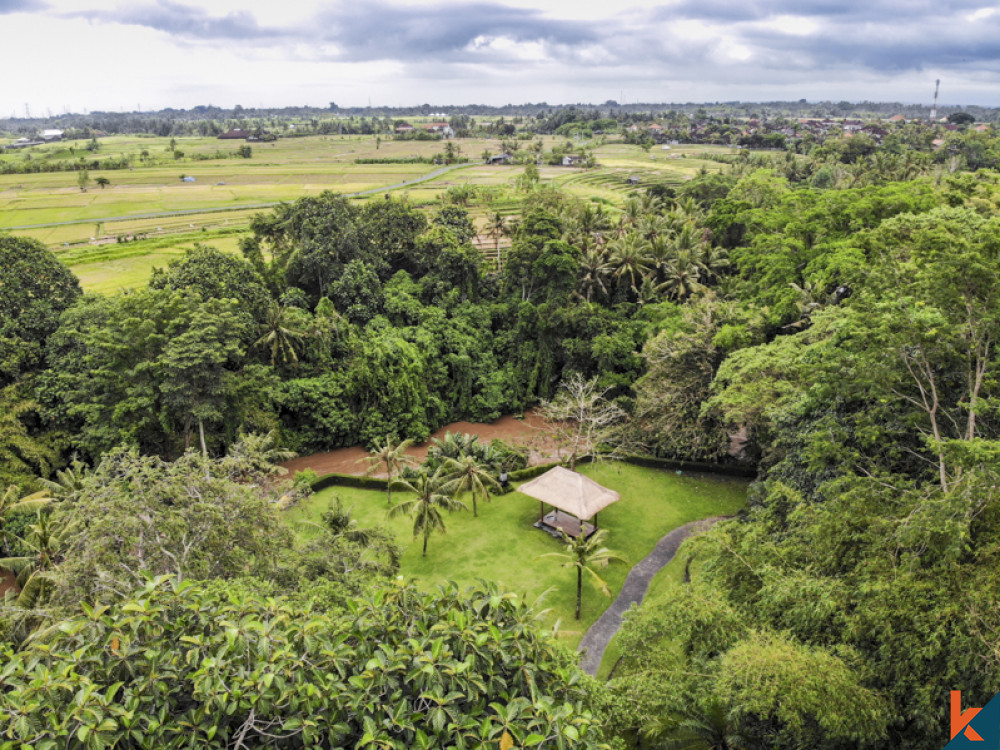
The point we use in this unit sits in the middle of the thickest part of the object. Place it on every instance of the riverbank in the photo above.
(527, 430)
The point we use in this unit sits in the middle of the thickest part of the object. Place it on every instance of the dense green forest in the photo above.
(838, 335)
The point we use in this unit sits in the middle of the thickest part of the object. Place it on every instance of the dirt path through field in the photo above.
(525, 431)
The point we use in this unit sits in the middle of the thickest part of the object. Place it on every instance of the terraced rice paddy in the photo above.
(169, 215)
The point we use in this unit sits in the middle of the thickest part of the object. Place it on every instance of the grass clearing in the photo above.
(501, 545)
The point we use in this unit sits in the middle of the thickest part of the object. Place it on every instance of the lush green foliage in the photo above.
(34, 289)
(831, 318)
(216, 666)
(191, 518)
(862, 369)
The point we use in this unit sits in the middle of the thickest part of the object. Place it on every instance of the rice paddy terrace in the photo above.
(113, 236)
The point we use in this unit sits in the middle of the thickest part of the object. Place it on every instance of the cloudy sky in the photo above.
(76, 55)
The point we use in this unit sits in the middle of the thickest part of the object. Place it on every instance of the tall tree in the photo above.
(392, 457)
(629, 256)
(433, 493)
(281, 334)
(35, 287)
(469, 474)
(585, 553)
(496, 227)
(582, 420)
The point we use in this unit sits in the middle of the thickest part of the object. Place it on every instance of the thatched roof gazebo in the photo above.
(575, 499)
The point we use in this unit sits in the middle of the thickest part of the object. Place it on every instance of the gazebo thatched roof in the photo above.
(571, 492)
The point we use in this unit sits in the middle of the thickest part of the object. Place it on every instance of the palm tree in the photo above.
(712, 260)
(496, 227)
(661, 254)
(393, 456)
(280, 335)
(630, 259)
(651, 226)
(631, 213)
(432, 494)
(594, 268)
(468, 473)
(682, 276)
(11, 501)
(453, 445)
(586, 553)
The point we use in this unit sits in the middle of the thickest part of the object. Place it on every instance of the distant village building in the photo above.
(897, 118)
(633, 179)
(404, 127)
(441, 128)
(500, 159)
(573, 161)
(51, 135)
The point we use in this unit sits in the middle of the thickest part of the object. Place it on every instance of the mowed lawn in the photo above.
(501, 545)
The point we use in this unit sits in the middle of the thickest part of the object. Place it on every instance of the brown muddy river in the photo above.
(526, 431)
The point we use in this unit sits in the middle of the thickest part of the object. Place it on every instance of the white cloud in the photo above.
(981, 14)
(175, 53)
(794, 25)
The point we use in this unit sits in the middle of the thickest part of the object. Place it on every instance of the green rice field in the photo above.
(149, 200)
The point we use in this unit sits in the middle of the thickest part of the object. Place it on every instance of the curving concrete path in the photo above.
(597, 638)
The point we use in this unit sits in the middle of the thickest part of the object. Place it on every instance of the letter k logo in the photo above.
(960, 721)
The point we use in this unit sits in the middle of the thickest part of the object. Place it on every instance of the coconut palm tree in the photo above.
(453, 445)
(585, 554)
(682, 276)
(432, 494)
(594, 268)
(651, 226)
(661, 255)
(393, 457)
(280, 335)
(496, 227)
(630, 260)
(712, 260)
(469, 474)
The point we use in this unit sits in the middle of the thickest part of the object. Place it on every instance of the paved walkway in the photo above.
(596, 639)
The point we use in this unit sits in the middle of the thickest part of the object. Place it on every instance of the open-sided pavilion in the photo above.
(574, 498)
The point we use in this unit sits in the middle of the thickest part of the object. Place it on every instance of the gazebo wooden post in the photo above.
(595, 522)
(541, 512)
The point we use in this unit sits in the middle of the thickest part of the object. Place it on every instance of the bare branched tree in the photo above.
(583, 422)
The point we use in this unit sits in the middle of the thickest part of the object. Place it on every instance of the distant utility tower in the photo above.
(937, 87)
